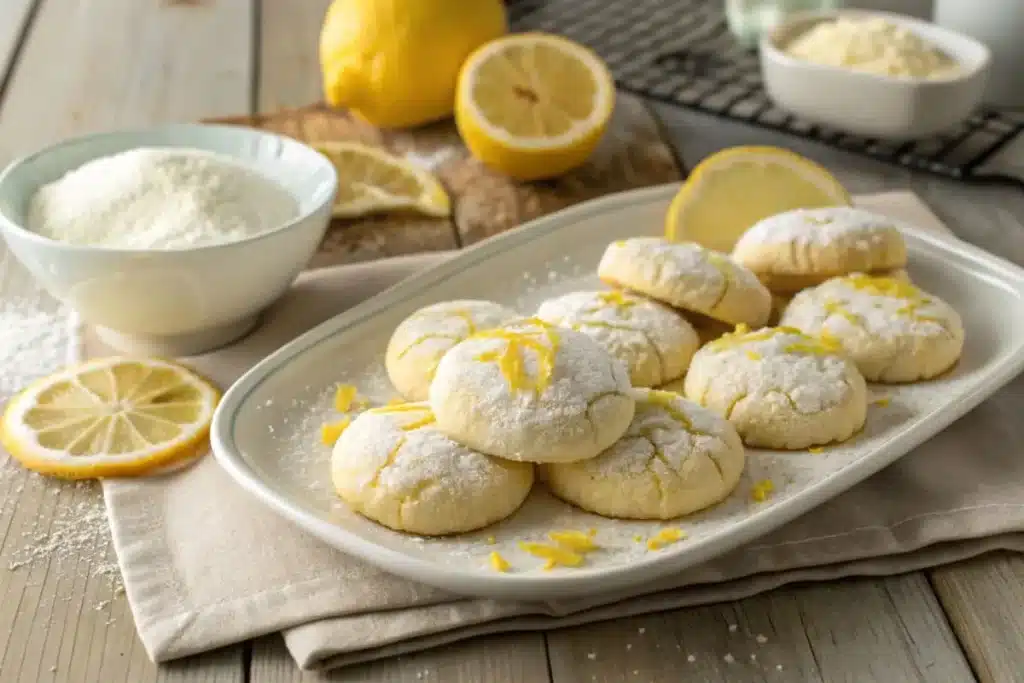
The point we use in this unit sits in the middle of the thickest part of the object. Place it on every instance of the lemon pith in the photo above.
(372, 181)
(533, 105)
(109, 417)
(732, 189)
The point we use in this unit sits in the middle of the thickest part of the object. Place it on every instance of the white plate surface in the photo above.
(266, 430)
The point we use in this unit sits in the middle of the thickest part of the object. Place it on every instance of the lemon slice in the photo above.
(731, 190)
(373, 181)
(109, 417)
(533, 105)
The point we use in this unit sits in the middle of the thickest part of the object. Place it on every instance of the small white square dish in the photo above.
(266, 430)
(868, 104)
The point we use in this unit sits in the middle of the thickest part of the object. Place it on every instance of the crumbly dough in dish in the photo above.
(395, 467)
(687, 276)
(779, 387)
(419, 341)
(675, 458)
(532, 391)
(804, 247)
(651, 339)
(894, 331)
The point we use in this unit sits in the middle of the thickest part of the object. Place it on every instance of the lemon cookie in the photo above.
(779, 387)
(894, 331)
(532, 391)
(419, 341)
(395, 467)
(781, 299)
(802, 248)
(675, 458)
(651, 339)
(687, 276)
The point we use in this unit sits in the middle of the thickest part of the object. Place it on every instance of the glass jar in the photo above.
(748, 19)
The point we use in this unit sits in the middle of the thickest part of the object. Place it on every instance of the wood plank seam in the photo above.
(19, 47)
(255, 55)
(665, 134)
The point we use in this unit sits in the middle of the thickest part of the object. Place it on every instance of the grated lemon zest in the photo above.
(498, 563)
(332, 431)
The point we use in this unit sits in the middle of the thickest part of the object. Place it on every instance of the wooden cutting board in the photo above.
(632, 154)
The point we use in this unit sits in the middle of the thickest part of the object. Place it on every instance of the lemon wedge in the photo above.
(109, 417)
(372, 181)
(731, 190)
(533, 105)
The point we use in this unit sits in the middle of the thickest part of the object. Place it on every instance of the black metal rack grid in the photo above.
(681, 52)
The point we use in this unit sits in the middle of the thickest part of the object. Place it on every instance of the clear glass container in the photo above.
(748, 19)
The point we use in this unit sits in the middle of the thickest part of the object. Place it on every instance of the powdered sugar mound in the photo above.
(159, 198)
(821, 227)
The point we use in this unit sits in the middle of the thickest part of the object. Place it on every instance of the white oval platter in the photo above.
(266, 430)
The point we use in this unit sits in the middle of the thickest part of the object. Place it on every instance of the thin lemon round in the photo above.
(731, 190)
(533, 105)
(372, 181)
(110, 417)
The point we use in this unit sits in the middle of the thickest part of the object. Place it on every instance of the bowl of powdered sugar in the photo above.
(170, 240)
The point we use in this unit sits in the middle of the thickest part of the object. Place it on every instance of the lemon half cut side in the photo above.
(372, 181)
(533, 105)
(732, 189)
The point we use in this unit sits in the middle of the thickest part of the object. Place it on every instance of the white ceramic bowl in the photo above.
(868, 104)
(184, 301)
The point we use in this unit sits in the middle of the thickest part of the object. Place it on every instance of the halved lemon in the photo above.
(372, 181)
(533, 105)
(109, 417)
(731, 190)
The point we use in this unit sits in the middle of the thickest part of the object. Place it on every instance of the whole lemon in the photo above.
(395, 63)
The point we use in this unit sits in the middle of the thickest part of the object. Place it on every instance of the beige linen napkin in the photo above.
(206, 565)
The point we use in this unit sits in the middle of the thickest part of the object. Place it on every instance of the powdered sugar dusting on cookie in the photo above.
(840, 307)
(821, 227)
(654, 341)
(398, 448)
(432, 330)
(673, 433)
(776, 362)
(530, 381)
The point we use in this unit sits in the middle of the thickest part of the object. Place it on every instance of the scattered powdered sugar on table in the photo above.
(298, 462)
(33, 343)
(75, 539)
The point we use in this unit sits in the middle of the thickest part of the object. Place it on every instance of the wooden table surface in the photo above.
(71, 66)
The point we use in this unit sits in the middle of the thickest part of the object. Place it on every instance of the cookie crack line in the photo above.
(388, 462)
(427, 337)
(414, 496)
(624, 327)
(718, 263)
(732, 404)
(590, 406)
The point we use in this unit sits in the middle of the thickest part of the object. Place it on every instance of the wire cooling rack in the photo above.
(681, 52)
